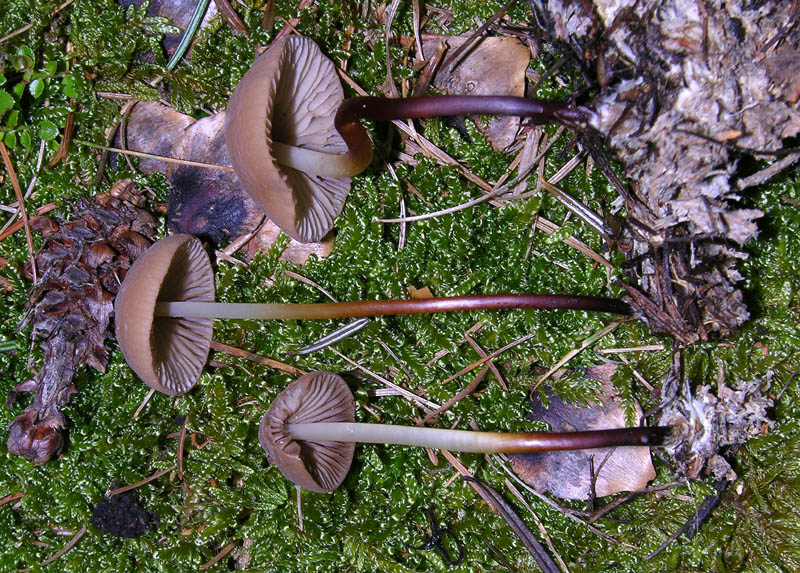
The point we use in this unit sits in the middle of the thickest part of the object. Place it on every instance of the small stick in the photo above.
(299, 507)
(646, 347)
(143, 404)
(230, 15)
(225, 550)
(220, 347)
(11, 497)
(153, 156)
(27, 27)
(181, 442)
(467, 390)
(138, 484)
(482, 353)
(422, 402)
(575, 351)
(488, 357)
(21, 201)
(66, 548)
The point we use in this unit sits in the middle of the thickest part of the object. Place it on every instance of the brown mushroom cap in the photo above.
(314, 397)
(290, 95)
(167, 353)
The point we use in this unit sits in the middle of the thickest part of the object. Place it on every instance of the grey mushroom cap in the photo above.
(290, 95)
(167, 353)
(314, 397)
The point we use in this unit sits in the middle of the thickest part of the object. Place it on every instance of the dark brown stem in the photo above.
(354, 309)
(352, 111)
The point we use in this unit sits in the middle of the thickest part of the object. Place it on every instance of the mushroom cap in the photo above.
(314, 397)
(290, 95)
(167, 353)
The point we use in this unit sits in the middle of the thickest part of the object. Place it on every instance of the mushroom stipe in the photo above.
(165, 309)
(295, 142)
(309, 433)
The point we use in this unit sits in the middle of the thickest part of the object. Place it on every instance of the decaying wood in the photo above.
(686, 88)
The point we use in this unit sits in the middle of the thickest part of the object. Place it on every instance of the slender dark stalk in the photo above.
(352, 111)
(359, 147)
(354, 309)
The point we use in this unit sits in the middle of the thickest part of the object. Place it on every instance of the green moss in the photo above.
(377, 518)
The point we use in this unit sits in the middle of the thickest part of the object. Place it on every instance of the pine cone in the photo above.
(81, 264)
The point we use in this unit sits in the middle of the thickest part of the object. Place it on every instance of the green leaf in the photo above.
(23, 59)
(6, 101)
(51, 67)
(47, 130)
(2, 79)
(10, 139)
(36, 87)
(13, 117)
(25, 139)
(68, 86)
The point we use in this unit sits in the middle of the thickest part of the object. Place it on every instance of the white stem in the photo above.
(455, 440)
(314, 162)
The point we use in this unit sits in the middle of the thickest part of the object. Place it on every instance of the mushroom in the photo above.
(295, 158)
(309, 433)
(165, 308)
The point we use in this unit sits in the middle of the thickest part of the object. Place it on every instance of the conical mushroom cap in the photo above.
(167, 353)
(314, 397)
(289, 95)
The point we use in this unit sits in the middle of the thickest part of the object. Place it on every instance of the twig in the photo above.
(575, 351)
(467, 390)
(567, 512)
(465, 473)
(220, 347)
(534, 547)
(138, 484)
(482, 353)
(66, 548)
(309, 282)
(21, 201)
(143, 404)
(646, 347)
(299, 507)
(179, 453)
(768, 173)
(27, 27)
(18, 225)
(539, 524)
(488, 357)
(153, 156)
(610, 506)
(230, 15)
(424, 403)
(456, 55)
(225, 550)
(11, 497)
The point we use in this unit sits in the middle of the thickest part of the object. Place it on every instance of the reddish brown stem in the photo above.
(352, 111)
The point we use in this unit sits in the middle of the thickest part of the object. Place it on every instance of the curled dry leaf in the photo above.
(568, 474)
(494, 66)
(208, 203)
